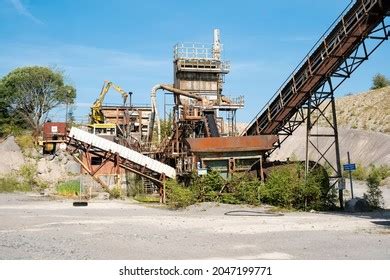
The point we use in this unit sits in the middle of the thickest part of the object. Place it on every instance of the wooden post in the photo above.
(164, 197)
(261, 169)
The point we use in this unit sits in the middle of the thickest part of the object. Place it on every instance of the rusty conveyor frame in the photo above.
(74, 146)
(338, 46)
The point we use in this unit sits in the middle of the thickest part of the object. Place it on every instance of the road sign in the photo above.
(349, 166)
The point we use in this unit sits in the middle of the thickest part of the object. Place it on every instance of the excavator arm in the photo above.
(96, 108)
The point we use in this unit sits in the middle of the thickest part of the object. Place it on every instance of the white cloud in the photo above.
(21, 9)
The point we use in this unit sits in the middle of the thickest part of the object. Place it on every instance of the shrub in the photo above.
(69, 188)
(25, 141)
(208, 187)
(9, 128)
(246, 189)
(12, 184)
(28, 174)
(286, 186)
(177, 195)
(360, 173)
(115, 193)
(382, 171)
(374, 194)
(379, 81)
(279, 187)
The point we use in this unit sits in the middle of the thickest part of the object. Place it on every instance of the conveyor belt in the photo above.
(211, 124)
(137, 160)
(341, 40)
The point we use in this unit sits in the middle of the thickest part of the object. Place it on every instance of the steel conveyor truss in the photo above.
(358, 32)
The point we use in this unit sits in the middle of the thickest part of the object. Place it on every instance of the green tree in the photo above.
(166, 126)
(374, 195)
(379, 81)
(28, 94)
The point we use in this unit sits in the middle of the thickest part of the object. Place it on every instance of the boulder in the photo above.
(101, 196)
(357, 204)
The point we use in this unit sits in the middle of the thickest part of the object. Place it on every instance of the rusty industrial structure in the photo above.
(203, 132)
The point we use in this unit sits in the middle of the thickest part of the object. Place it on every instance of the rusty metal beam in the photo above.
(232, 144)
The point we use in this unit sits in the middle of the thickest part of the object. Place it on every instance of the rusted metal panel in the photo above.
(54, 130)
(232, 144)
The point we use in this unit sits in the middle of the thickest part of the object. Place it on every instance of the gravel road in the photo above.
(33, 227)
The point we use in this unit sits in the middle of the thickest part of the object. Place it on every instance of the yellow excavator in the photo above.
(96, 108)
(97, 120)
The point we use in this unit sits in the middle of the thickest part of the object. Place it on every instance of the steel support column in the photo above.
(321, 107)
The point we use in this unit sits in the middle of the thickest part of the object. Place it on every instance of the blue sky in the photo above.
(130, 43)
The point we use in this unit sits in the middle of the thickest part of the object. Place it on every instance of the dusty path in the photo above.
(36, 228)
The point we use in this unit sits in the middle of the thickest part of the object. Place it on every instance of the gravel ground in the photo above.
(33, 227)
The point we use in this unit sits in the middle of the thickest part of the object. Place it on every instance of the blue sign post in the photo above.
(350, 167)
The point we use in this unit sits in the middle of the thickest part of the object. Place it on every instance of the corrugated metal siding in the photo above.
(122, 151)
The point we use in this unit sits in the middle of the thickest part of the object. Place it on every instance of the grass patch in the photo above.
(147, 198)
(25, 141)
(69, 188)
(12, 184)
(23, 181)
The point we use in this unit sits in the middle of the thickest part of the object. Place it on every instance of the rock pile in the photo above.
(56, 168)
(11, 156)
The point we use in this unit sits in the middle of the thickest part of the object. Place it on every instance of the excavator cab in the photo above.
(98, 125)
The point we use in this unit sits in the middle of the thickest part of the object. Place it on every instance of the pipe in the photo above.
(154, 114)
(181, 92)
(153, 100)
(217, 45)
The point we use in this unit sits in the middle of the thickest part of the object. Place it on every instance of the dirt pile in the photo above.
(365, 147)
(50, 169)
(11, 156)
(365, 111)
(53, 169)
